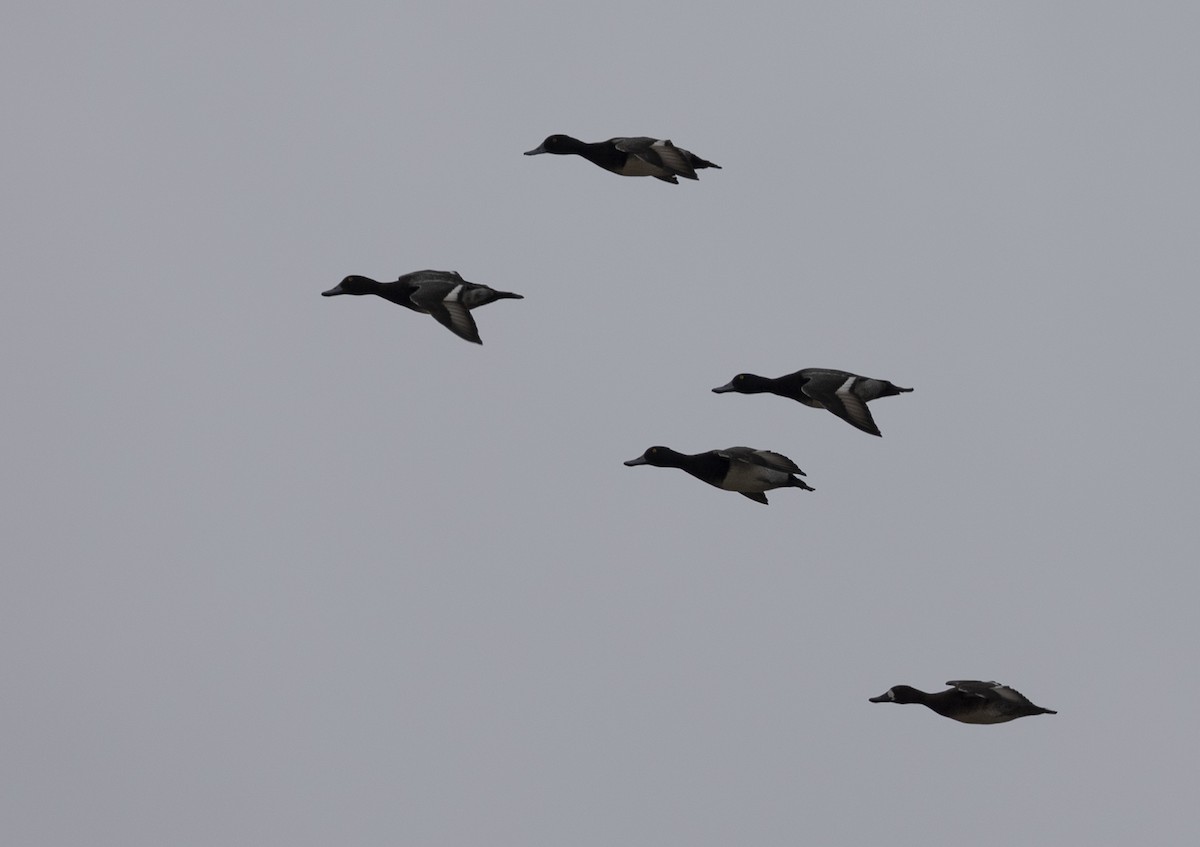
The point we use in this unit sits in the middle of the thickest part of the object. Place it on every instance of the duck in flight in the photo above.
(443, 294)
(745, 470)
(637, 156)
(968, 701)
(841, 392)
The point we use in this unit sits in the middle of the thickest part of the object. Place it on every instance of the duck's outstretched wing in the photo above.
(444, 302)
(993, 689)
(990, 690)
(777, 461)
(660, 154)
(762, 458)
(457, 318)
(847, 405)
(430, 277)
(976, 688)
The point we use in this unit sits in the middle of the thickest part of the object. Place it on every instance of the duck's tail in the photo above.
(799, 483)
(887, 389)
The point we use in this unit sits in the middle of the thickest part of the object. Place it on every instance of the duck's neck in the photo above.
(755, 384)
(398, 292)
(945, 703)
(669, 458)
(601, 153)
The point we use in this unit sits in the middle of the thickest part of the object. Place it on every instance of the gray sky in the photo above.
(292, 570)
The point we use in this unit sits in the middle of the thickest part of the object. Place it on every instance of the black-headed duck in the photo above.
(841, 392)
(969, 701)
(745, 470)
(638, 156)
(443, 294)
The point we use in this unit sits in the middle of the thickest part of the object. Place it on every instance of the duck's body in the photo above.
(745, 470)
(969, 701)
(637, 156)
(841, 392)
(443, 294)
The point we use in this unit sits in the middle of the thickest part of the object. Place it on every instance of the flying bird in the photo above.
(745, 470)
(638, 156)
(841, 392)
(443, 294)
(969, 701)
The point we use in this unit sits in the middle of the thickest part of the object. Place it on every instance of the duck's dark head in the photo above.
(900, 694)
(663, 457)
(744, 384)
(352, 285)
(556, 144)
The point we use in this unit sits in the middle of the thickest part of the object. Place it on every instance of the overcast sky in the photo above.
(283, 569)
